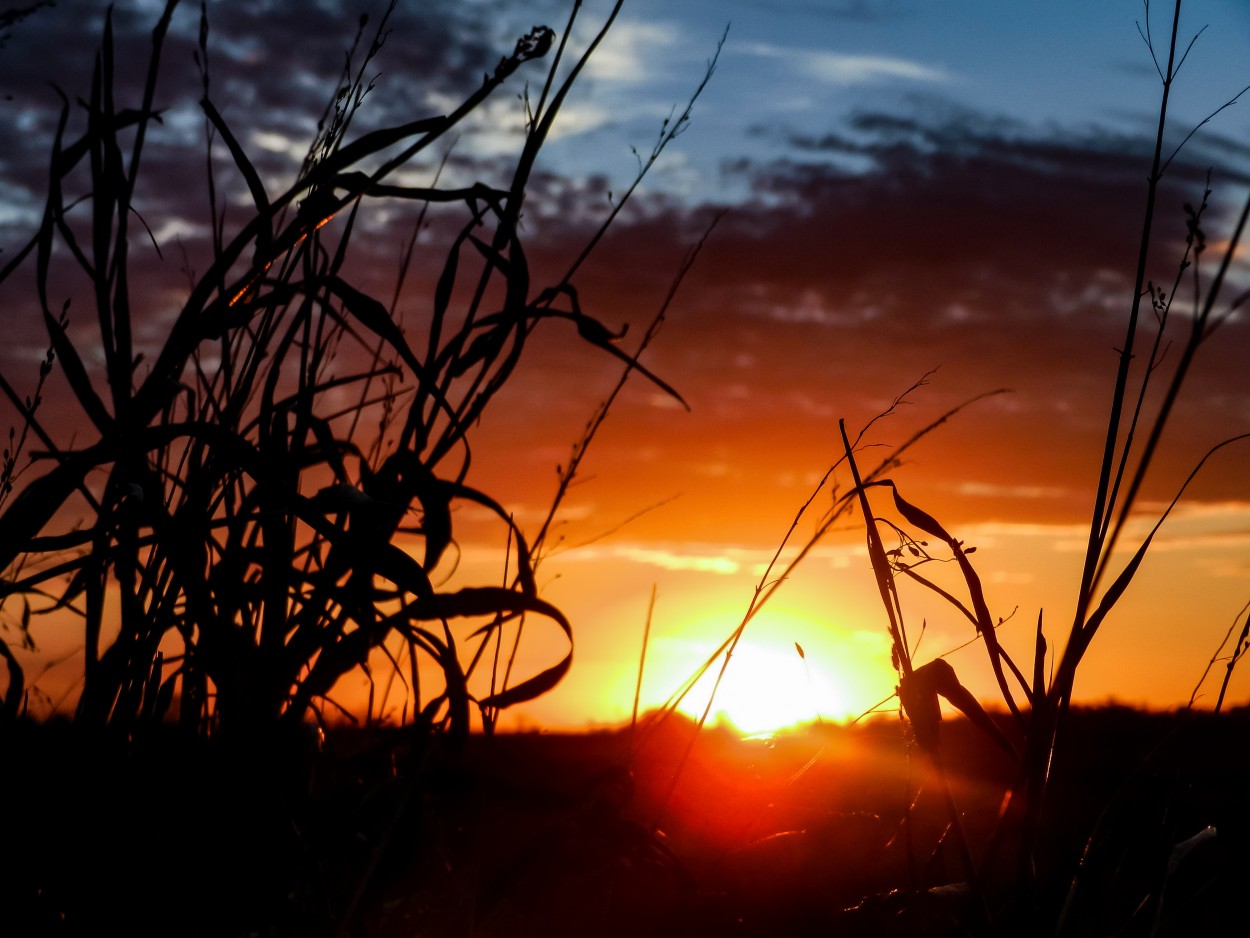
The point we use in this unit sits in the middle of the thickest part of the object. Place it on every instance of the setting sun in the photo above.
(767, 688)
(791, 667)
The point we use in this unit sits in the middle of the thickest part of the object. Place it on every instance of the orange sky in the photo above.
(705, 551)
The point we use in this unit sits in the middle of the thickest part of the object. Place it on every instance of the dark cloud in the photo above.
(274, 69)
(999, 256)
(856, 11)
(968, 212)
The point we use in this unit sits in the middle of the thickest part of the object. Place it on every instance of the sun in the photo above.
(792, 666)
(768, 688)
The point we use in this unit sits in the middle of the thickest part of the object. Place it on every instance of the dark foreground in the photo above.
(381, 834)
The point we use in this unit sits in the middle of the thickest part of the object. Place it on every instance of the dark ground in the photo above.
(378, 834)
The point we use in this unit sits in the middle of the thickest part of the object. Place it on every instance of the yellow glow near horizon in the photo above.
(767, 689)
(769, 683)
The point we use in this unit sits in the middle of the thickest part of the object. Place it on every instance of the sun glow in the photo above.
(792, 666)
(766, 688)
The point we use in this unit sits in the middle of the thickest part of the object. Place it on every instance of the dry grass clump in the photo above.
(262, 499)
(225, 521)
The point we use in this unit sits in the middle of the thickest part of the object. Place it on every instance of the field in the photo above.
(608, 834)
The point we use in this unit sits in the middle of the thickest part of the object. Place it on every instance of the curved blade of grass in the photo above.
(260, 199)
(375, 317)
(10, 710)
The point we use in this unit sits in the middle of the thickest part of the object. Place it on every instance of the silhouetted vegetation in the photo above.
(222, 514)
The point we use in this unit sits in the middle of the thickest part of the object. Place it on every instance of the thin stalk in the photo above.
(1102, 508)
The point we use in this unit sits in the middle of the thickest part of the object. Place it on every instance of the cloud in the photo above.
(993, 490)
(862, 11)
(950, 229)
(845, 69)
(1213, 526)
(716, 563)
(632, 51)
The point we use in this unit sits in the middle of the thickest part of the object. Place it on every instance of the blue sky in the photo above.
(792, 69)
(806, 68)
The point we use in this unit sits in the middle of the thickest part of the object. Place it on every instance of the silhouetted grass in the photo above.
(248, 517)
(1018, 880)
(257, 507)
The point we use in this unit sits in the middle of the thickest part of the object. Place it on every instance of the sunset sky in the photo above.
(909, 189)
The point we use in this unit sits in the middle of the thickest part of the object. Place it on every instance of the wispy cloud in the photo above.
(632, 51)
(992, 490)
(715, 562)
(848, 69)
